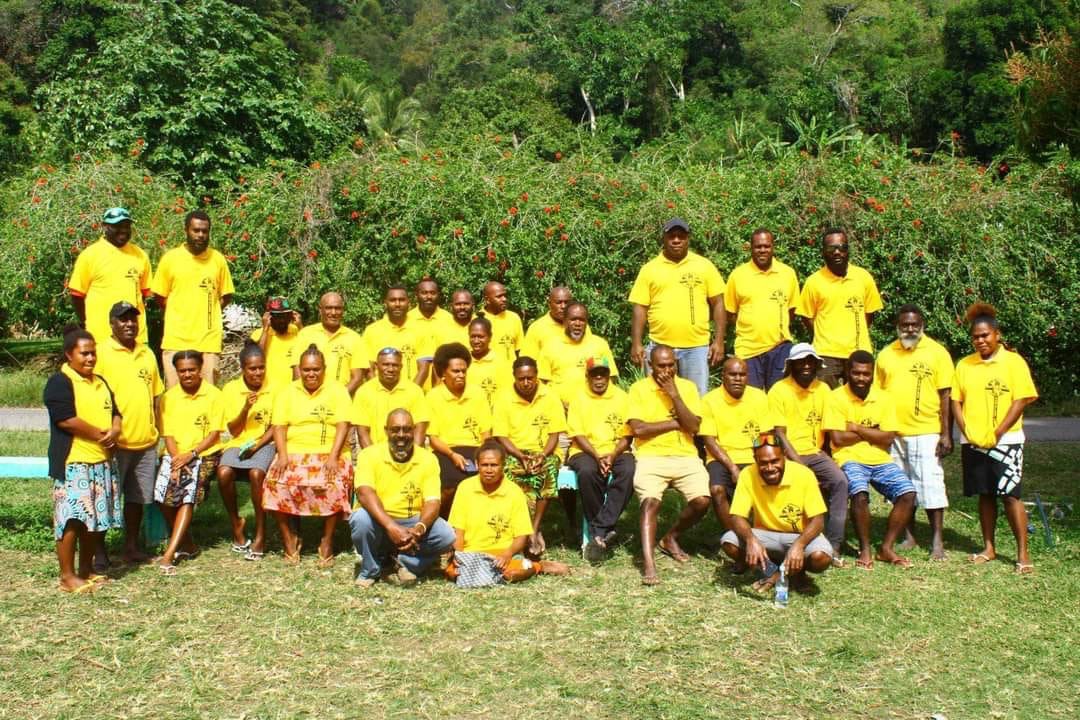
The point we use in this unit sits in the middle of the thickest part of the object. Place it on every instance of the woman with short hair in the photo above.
(192, 420)
(311, 474)
(84, 426)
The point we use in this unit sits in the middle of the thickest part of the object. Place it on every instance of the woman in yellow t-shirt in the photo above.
(84, 425)
(192, 420)
(311, 474)
(991, 388)
(249, 402)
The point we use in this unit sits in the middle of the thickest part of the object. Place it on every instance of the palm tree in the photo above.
(392, 119)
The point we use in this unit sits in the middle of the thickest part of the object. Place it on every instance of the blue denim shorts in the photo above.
(887, 479)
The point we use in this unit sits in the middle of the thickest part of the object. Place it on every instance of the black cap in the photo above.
(675, 223)
(121, 309)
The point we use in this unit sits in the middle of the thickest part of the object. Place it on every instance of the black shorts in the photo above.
(719, 476)
(994, 471)
(449, 475)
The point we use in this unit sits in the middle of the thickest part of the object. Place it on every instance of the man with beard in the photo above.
(394, 331)
(733, 417)
(837, 305)
(193, 284)
(506, 332)
(550, 326)
(760, 298)
(676, 294)
(341, 346)
(917, 374)
(562, 363)
(797, 405)
(111, 270)
(131, 370)
(395, 523)
(388, 391)
(281, 325)
(462, 306)
(861, 421)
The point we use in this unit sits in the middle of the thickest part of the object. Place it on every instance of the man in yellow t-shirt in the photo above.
(562, 363)
(861, 421)
(664, 416)
(462, 306)
(788, 516)
(797, 405)
(549, 326)
(131, 370)
(388, 391)
(435, 325)
(111, 270)
(676, 293)
(837, 305)
(916, 372)
(600, 454)
(396, 515)
(343, 347)
(394, 330)
(193, 283)
(491, 525)
(733, 416)
(760, 298)
(281, 326)
(506, 331)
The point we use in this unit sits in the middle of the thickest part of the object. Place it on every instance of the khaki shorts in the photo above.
(654, 475)
(209, 367)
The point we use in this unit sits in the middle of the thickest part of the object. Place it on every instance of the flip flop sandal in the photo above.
(254, 555)
(242, 549)
(184, 555)
(98, 579)
(167, 570)
(864, 564)
(679, 557)
(325, 563)
(84, 589)
(1025, 569)
(650, 580)
(979, 559)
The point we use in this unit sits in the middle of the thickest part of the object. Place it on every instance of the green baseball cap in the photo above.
(116, 215)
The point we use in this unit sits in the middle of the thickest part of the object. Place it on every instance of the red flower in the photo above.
(558, 156)
(458, 232)
(421, 239)
(504, 222)
(540, 274)
(393, 232)
(313, 254)
(564, 237)
(253, 257)
(916, 223)
(354, 215)
(513, 210)
(1052, 331)
(404, 161)
(670, 205)
(373, 187)
(491, 256)
(525, 197)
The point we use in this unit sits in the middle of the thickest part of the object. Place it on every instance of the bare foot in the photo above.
(135, 556)
(238, 531)
(550, 567)
(908, 543)
(937, 554)
(650, 579)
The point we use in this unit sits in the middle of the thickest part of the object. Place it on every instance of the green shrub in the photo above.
(940, 233)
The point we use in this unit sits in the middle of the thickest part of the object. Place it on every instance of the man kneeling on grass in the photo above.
(789, 517)
(490, 518)
(395, 524)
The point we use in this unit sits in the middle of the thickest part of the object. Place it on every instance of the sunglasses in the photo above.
(765, 439)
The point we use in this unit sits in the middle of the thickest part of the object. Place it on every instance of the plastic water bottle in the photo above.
(780, 600)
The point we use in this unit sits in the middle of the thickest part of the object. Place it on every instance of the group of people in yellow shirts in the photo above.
(442, 435)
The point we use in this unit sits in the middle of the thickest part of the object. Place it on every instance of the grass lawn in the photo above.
(24, 443)
(227, 638)
(21, 387)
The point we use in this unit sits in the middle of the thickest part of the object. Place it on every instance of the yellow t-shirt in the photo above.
(677, 297)
(459, 420)
(540, 332)
(409, 339)
(311, 418)
(372, 404)
(235, 395)
(785, 507)
(838, 307)
(343, 350)
(736, 423)
(105, 274)
(93, 404)
(135, 380)
(528, 424)
(489, 522)
(492, 374)
(193, 287)
(877, 409)
(506, 334)
(563, 363)
(189, 419)
(439, 329)
(648, 403)
(279, 354)
(801, 412)
(763, 300)
(402, 487)
(912, 378)
(600, 419)
(987, 388)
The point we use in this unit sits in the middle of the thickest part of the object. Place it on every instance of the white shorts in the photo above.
(917, 456)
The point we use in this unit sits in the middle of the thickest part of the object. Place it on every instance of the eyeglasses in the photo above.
(764, 439)
(836, 246)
